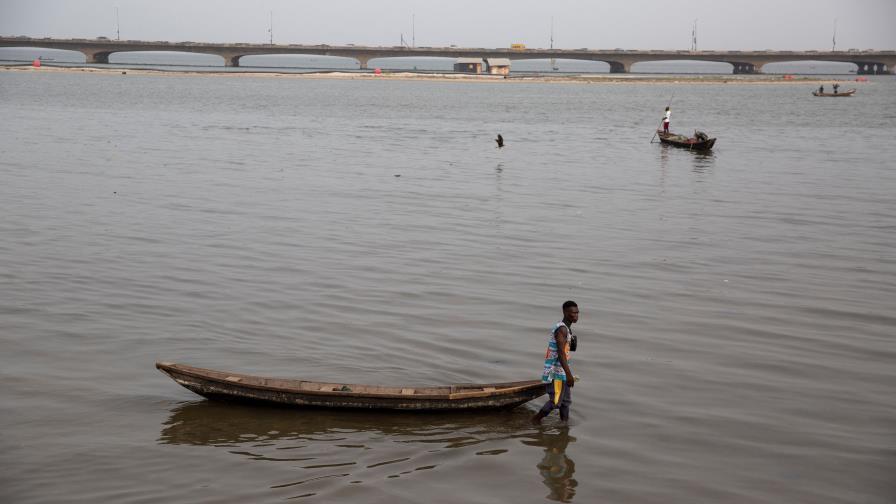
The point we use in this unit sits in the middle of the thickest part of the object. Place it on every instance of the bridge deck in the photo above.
(620, 60)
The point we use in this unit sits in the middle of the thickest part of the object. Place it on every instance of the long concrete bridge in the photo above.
(620, 61)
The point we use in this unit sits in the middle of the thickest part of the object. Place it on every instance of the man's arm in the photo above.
(560, 337)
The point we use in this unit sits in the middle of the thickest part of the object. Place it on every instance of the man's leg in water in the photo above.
(565, 402)
(548, 406)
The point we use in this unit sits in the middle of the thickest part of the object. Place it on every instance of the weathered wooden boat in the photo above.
(700, 141)
(240, 387)
(848, 92)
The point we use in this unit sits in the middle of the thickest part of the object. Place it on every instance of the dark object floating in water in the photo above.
(500, 141)
(240, 387)
(700, 140)
(832, 95)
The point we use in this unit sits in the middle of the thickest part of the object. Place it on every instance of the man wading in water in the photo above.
(557, 376)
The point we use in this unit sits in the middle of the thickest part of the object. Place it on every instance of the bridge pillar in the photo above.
(743, 67)
(620, 67)
(362, 62)
(231, 60)
(96, 57)
(871, 68)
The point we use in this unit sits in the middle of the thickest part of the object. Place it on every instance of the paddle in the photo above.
(663, 119)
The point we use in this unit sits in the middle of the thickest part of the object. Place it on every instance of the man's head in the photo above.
(570, 312)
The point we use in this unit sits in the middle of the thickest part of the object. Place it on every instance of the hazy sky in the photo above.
(630, 24)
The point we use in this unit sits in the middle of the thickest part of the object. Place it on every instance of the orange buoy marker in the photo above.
(377, 71)
(36, 63)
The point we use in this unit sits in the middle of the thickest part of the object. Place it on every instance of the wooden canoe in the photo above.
(240, 387)
(849, 92)
(691, 143)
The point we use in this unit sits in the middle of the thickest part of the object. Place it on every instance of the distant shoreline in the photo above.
(450, 77)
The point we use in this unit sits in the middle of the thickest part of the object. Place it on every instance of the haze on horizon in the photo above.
(634, 24)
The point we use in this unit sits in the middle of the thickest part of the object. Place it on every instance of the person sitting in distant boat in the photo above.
(836, 87)
(666, 120)
(821, 89)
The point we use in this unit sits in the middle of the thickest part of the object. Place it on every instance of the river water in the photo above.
(736, 340)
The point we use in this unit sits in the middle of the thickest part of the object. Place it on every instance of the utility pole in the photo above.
(554, 66)
(271, 29)
(694, 37)
(117, 26)
(413, 30)
(834, 40)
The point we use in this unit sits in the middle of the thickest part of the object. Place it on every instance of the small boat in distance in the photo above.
(849, 92)
(700, 141)
(247, 388)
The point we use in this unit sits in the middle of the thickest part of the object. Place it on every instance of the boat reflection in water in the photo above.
(215, 423)
(556, 468)
(355, 446)
(703, 161)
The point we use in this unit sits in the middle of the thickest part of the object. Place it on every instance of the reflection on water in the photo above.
(664, 165)
(556, 468)
(216, 423)
(353, 446)
(703, 161)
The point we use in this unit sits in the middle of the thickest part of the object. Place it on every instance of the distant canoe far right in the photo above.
(849, 92)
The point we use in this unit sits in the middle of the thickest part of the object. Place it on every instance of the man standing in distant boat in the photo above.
(557, 375)
(666, 120)
(836, 87)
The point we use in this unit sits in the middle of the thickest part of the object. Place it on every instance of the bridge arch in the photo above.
(30, 53)
(235, 59)
(809, 67)
(170, 57)
(613, 65)
(298, 60)
(435, 63)
(673, 65)
(542, 65)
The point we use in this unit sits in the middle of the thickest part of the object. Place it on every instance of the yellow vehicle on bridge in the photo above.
(518, 47)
